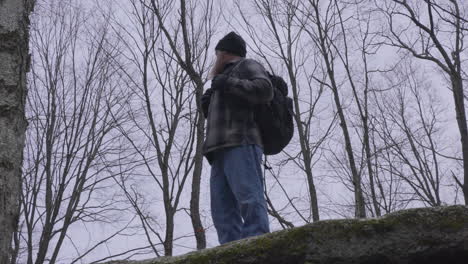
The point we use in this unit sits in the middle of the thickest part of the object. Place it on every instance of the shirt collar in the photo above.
(232, 62)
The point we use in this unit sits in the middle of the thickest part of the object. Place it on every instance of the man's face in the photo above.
(219, 63)
(218, 55)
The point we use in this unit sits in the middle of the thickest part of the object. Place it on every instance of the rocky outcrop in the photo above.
(425, 235)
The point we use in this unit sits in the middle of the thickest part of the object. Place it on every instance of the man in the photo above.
(233, 144)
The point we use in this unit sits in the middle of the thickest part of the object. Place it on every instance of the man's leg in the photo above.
(244, 174)
(224, 209)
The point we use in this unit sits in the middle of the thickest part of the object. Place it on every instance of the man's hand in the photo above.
(220, 81)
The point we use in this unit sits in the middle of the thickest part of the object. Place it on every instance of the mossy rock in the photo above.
(424, 235)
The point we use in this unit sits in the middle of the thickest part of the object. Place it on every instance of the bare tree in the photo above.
(410, 127)
(324, 29)
(391, 192)
(73, 93)
(195, 22)
(364, 41)
(169, 129)
(434, 31)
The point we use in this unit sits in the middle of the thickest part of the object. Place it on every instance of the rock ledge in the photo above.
(424, 235)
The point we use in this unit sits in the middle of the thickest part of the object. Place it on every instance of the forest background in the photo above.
(112, 163)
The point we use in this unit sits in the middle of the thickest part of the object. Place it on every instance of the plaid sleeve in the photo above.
(253, 84)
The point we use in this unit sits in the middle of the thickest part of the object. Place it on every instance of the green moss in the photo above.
(281, 246)
(453, 219)
(324, 239)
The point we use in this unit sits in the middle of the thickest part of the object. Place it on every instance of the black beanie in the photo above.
(232, 43)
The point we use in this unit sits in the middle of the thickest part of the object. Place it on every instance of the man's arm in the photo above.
(254, 86)
(205, 101)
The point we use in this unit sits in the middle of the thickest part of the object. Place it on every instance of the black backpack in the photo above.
(275, 119)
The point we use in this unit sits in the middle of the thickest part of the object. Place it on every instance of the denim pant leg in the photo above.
(224, 208)
(242, 166)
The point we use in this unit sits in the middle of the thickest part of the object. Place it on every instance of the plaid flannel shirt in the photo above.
(230, 110)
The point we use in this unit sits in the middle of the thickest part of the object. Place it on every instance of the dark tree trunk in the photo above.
(457, 88)
(169, 239)
(14, 64)
(199, 231)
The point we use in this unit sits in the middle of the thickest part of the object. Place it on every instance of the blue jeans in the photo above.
(238, 207)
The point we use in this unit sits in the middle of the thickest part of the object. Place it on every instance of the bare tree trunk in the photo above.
(169, 239)
(458, 96)
(321, 38)
(199, 231)
(14, 49)
(306, 150)
(200, 236)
